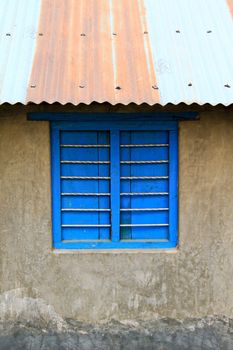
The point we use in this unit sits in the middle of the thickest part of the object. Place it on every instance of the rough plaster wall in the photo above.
(193, 282)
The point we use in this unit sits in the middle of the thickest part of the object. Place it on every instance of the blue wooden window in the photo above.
(114, 184)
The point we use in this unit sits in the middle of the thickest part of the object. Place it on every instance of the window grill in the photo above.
(114, 185)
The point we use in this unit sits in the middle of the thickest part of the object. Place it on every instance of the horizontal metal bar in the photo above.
(144, 194)
(144, 161)
(144, 209)
(84, 194)
(108, 162)
(122, 194)
(85, 177)
(144, 225)
(90, 241)
(85, 162)
(84, 146)
(144, 177)
(84, 225)
(83, 210)
(108, 177)
(106, 210)
(146, 145)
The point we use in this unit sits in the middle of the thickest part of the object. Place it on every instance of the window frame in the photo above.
(114, 127)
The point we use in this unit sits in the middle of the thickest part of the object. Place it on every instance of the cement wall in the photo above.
(194, 281)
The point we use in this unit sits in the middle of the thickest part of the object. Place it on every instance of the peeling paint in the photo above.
(17, 306)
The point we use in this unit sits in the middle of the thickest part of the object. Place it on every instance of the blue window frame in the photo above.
(114, 184)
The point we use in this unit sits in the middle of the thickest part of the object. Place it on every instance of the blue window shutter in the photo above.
(85, 185)
(173, 186)
(56, 185)
(114, 185)
(145, 185)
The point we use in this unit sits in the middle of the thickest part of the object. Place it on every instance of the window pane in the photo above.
(85, 185)
(144, 185)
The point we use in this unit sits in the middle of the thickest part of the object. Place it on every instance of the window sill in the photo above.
(116, 251)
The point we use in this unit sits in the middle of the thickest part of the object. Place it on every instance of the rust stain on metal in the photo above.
(230, 5)
(99, 62)
(147, 45)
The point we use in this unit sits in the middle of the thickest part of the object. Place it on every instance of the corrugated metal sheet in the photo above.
(230, 4)
(119, 51)
(18, 34)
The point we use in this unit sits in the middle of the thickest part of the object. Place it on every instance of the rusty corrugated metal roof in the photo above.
(230, 4)
(116, 51)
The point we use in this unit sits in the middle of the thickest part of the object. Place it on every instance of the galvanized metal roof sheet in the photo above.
(119, 51)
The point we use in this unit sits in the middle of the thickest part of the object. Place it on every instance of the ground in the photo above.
(165, 334)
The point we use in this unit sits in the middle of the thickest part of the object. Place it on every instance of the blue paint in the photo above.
(173, 185)
(85, 178)
(115, 185)
(154, 184)
(116, 245)
(56, 186)
(115, 224)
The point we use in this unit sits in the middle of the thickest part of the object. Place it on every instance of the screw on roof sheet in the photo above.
(145, 32)
(8, 34)
(227, 86)
(177, 31)
(33, 86)
(81, 86)
(118, 88)
(114, 33)
(155, 87)
(209, 31)
(41, 34)
(190, 84)
(82, 34)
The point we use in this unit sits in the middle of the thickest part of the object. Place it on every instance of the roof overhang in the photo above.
(116, 51)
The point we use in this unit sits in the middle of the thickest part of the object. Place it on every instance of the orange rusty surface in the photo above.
(93, 50)
(230, 5)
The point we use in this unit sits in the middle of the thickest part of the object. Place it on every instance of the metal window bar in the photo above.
(144, 177)
(84, 194)
(144, 194)
(85, 162)
(144, 225)
(84, 146)
(108, 177)
(123, 209)
(84, 225)
(85, 177)
(144, 161)
(146, 145)
(85, 209)
(144, 209)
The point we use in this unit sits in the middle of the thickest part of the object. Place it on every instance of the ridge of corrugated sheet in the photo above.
(116, 51)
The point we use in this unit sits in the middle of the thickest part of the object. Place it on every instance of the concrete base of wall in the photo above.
(199, 334)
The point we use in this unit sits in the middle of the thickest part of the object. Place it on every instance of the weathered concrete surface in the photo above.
(167, 334)
(193, 282)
